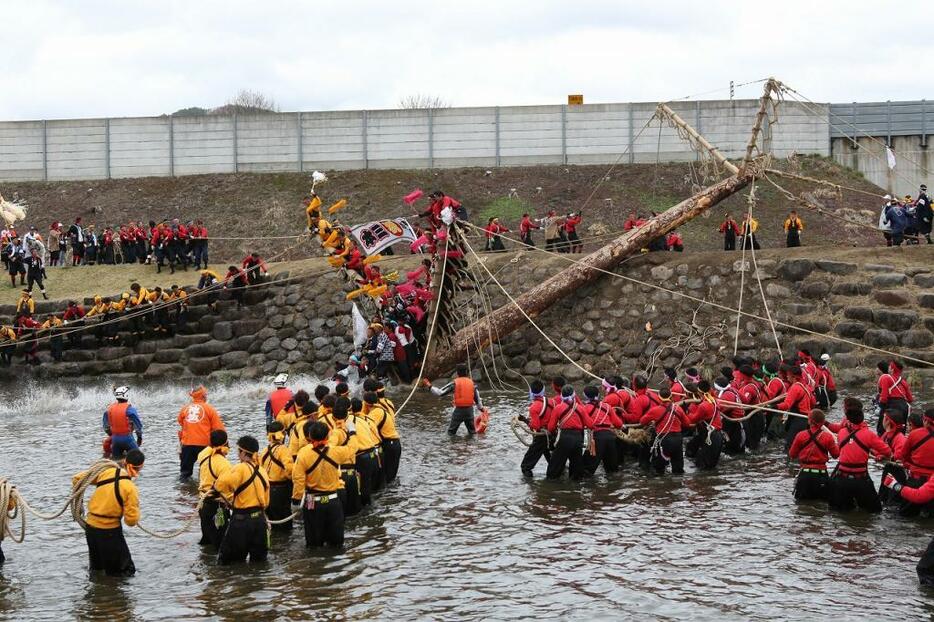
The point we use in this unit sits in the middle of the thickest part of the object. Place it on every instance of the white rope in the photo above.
(755, 267)
(747, 233)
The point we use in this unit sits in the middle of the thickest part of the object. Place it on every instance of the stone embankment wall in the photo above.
(877, 297)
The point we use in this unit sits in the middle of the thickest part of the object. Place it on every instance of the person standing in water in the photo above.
(466, 397)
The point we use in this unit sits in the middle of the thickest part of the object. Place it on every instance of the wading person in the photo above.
(212, 463)
(668, 420)
(539, 409)
(466, 397)
(293, 417)
(917, 495)
(245, 490)
(115, 499)
(812, 448)
(706, 445)
(383, 420)
(568, 422)
(316, 481)
(276, 460)
(800, 400)
(279, 397)
(122, 423)
(341, 431)
(850, 484)
(604, 421)
(197, 420)
(894, 392)
(368, 442)
(917, 456)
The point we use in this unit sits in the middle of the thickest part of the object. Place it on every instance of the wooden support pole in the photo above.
(664, 111)
(770, 85)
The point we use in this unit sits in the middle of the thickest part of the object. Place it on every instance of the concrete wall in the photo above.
(867, 155)
(452, 137)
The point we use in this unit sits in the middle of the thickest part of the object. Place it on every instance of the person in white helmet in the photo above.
(122, 423)
(278, 398)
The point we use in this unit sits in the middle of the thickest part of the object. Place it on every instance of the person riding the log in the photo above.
(539, 409)
(668, 420)
(798, 399)
(197, 420)
(707, 443)
(826, 385)
(730, 230)
(293, 417)
(276, 460)
(212, 463)
(279, 397)
(676, 386)
(121, 423)
(894, 391)
(851, 485)
(733, 431)
(245, 490)
(313, 211)
(812, 448)
(568, 420)
(751, 391)
(115, 501)
(604, 422)
(917, 456)
(793, 227)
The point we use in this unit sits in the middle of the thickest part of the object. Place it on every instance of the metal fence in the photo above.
(882, 119)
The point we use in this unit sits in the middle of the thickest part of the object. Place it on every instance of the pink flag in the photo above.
(413, 196)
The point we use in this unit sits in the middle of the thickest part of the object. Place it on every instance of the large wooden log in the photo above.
(508, 318)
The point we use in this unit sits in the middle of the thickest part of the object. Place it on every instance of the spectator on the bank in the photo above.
(749, 228)
(525, 230)
(793, 227)
(92, 247)
(897, 220)
(494, 242)
(76, 235)
(55, 243)
(551, 224)
(730, 230)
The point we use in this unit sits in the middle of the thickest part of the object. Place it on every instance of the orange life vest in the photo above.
(117, 420)
(463, 392)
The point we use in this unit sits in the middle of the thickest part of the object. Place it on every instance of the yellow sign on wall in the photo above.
(575, 100)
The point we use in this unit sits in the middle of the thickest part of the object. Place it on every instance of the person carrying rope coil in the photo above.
(212, 463)
(245, 490)
(115, 499)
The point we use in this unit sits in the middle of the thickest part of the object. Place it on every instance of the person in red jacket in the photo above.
(826, 392)
(669, 420)
(751, 391)
(894, 391)
(254, 267)
(569, 421)
(730, 230)
(494, 241)
(918, 495)
(798, 399)
(917, 455)
(733, 433)
(539, 409)
(675, 386)
(73, 318)
(707, 443)
(571, 223)
(525, 230)
(617, 397)
(812, 448)
(850, 483)
(776, 385)
(604, 421)
(199, 244)
(674, 242)
(893, 436)
(633, 222)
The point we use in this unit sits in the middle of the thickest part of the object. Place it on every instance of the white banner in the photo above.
(378, 235)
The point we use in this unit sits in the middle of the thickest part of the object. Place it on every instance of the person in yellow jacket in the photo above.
(276, 459)
(367, 461)
(212, 463)
(7, 345)
(316, 483)
(11, 505)
(25, 303)
(793, 227)
(313, 212)
(749, 227)
(293, 417)
(115, 498)
(178, 310)
(245, 490)
(384, 421)
(326, 409)
(53, 324)
(341, 432)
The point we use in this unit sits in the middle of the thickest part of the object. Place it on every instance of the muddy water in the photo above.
(461, 537)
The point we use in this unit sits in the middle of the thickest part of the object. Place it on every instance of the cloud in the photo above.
(110, 58)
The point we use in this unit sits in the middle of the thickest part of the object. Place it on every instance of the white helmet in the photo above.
(121, 392)
(280, 380)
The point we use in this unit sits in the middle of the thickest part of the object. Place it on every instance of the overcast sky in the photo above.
(121, 58)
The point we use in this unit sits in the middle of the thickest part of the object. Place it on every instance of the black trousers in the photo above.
(392, 454)
(280, 504)
(324, 524)
(793, 425)
(846, 493)
(462, 414)
(669, 450)
(754, 427)
(925, 566)
(567, 451)
(706, 456)
(108, 551)
(368, 469)
(188, 458)
(246, 535)
(735, 442)
(534, 453)
(811, 486)
(210, 532)
(351, 497)
(605, 454)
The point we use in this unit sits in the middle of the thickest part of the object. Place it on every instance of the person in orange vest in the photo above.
(197, 420)
(278, 398)
(121, 423)
(466, 397)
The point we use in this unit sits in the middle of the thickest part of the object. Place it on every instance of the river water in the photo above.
(462, 535)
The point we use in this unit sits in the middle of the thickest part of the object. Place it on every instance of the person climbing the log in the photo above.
(894, 391)
(707, 443)
(245, 490)
(668, 420)
(812, 448)
(729, 229)
(539, 409)
(276, 460)
(793, 227)
(850, 483)
(526, 226)
(466, 397)
(197, 421)
(212, 463)
(278, 398)
(605, 421)
(122, 424)
(115, 502)
(567, 421)
(235, 282)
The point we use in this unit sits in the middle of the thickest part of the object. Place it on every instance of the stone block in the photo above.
(222, 331)
(854, 330)
(916, 270)
(916, 338)
(248, 327)
(858, 313)
(926, 300)
(851, 289)
(269, 345)
(576, 335)
(184, 341)
(836, 267)
(112, 353)
(77, 356)
(880, 338)
(233, 360)
(894, 320)
(924, 280)
(889, 280)
(209, 348)
(136, 363)
(795, 269)
(891, 298)
(816, 290)
(168, 355)
(289, 344)
(774, 290)
(165, 370)
(879, 267)
(662, 273)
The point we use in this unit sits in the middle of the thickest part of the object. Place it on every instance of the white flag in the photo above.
(890, 156)
(359, 326)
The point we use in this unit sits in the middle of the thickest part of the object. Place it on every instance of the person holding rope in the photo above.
(798, 399)
(730, 230)
(115, 499)
(812, 448)
(917, 456)
(918, 496)
(539, 410)
(212, 463)
(707, 443)
(466, 397)
(245, 490)
(121, 423)
(733, 431)
(894, 436)
(894, 391)
(293, 416)
(197, 421)
(383, 420)
(342, 430)
(276, 460)
(667, 419)
(568, 420)
(605, 421)
(850, 485)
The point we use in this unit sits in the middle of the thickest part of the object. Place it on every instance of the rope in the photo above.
(12, 506)
(755, 267)
(747, 241)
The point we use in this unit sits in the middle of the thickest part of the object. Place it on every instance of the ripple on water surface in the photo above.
(462, 536)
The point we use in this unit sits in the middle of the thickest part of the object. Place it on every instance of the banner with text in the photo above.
(374, 237)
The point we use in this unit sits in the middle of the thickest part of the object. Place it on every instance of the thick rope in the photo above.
(747, 241)
(12, 507)
(755, 267)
